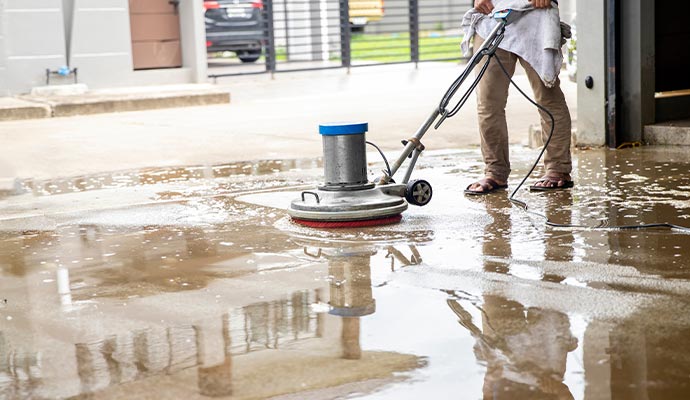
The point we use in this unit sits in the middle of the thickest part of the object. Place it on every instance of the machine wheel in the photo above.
(418, 192)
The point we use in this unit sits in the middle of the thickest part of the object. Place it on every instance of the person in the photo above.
(492, 95)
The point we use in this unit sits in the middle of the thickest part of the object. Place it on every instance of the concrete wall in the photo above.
(100, 44)
(591, 61)
(93, 36)
(34, 40)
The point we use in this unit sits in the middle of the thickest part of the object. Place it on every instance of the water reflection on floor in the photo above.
(191, 285)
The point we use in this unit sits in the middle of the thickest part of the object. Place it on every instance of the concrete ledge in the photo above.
(60, 90)
(69, 107)
(675, 133)
(46, 104)
(14, 109)
(134, 99)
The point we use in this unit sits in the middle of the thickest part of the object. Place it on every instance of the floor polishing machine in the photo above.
(347, 198)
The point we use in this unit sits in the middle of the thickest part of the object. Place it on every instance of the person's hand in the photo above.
(540, 3)
(484, 6)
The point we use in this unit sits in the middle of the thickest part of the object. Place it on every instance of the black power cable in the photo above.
(385, 160)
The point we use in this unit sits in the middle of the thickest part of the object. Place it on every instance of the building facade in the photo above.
(110, 43)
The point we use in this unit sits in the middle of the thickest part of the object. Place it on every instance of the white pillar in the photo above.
(323, 15)
(591, 62)
(193, 36)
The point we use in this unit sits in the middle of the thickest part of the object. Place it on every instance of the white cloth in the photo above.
(535, 36)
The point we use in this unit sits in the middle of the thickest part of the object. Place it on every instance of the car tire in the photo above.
(356, 28)
(249, 56)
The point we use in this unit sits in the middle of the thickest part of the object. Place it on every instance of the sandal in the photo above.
(488, 184)
(554, 184)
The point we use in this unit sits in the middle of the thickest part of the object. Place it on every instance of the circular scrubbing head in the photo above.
(349, 224)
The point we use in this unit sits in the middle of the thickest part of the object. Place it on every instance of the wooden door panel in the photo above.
(155, 27)
(151, 7)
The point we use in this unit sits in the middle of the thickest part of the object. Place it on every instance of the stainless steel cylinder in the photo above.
(345, 159)
(344, 154)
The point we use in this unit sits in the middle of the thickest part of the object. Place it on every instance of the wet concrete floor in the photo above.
(191, 282)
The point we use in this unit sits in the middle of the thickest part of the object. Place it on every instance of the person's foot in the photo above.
(553, 181)
(486, 185)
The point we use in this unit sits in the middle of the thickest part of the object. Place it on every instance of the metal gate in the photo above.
(303, 35)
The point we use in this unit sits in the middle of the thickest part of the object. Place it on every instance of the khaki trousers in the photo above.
(492, 96)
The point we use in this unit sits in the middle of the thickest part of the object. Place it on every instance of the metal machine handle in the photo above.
(318, 199)
(487, 48)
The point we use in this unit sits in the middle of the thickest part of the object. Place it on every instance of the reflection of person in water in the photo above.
(558, 245)
(525, 351)
(524, 348)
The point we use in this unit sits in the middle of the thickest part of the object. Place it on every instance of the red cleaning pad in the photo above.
(349, 224)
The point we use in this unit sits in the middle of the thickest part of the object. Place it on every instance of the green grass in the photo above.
(390, 47)
(396, 47)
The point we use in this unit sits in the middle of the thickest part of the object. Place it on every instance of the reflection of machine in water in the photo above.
(228, 352)
(209, 345)
(351, 294)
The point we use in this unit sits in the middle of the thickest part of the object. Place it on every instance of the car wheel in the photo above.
(249, 56)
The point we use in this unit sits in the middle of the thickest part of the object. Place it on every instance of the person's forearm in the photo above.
(541, 3)
(486, 6)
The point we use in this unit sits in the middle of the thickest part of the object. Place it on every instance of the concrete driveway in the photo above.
(149, 255)
(191, 282)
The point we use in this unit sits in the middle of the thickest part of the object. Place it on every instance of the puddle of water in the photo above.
(199, 294)
(153, 176)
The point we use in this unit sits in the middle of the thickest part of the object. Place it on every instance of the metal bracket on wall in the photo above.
(62, 71)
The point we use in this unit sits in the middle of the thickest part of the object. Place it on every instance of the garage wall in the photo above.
(33, 40)
(100, 45)
(91, 35)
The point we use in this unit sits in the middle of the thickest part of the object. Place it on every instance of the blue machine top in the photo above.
(343, 128)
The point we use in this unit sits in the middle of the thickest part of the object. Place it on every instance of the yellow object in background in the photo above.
(365, 11)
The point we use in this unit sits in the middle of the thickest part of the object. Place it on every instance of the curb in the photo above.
(667, 134)
(12, 109)
(31, 107)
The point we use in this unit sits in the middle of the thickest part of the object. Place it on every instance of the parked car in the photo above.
(235, 25)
